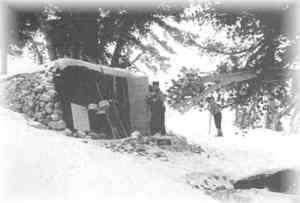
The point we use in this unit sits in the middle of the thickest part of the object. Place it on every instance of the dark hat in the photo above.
(155, 83)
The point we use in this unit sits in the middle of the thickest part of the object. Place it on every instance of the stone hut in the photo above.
(76, 95)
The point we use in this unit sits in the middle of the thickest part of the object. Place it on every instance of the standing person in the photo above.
(215, 111)
(155, 100)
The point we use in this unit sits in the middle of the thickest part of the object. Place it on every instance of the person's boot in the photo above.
(220, 134)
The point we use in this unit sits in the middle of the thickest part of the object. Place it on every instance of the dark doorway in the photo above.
(78, 85)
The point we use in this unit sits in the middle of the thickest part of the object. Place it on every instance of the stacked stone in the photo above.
(34, 95)
(152, 147)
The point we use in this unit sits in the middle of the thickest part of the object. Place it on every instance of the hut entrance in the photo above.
(79, 88)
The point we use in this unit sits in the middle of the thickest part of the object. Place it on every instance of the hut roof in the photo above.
(65, 62)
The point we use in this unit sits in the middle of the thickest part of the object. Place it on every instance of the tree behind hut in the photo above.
(99, 35)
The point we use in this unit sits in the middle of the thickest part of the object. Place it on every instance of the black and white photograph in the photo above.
(150, 101)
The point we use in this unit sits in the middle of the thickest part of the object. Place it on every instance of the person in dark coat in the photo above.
(155, 101)
(215, 110)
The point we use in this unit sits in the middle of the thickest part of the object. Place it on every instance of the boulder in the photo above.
(38, 88)
(81, 134)
(58, 111)
(45, 97)
(46, 120)
(55, 117)
(161, 155)
(17, 106)
(30, 103)
(68, 132)
(57, 125)
(135, 134)
(49, 108)
(51, 92)
(161, 140)
(42, 104)
(38, 115)
(50, 87)
(25, 109)
(57, 105)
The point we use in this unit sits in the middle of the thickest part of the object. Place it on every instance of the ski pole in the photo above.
(209, 125)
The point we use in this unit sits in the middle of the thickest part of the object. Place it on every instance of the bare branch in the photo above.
(136, 58)
(188, 38)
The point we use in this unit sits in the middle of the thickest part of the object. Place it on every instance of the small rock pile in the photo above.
(152, 146)
(138, 146)
(34, 95)
(209, 182)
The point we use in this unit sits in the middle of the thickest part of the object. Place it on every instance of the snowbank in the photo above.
(46, 165)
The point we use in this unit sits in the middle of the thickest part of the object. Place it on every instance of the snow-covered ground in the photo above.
(38, 164)
(251, 152)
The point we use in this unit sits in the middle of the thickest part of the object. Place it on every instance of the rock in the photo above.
(162, 140)
(30, 104)
(57, 105)
(208, 181)
(94, 135)
(42, 104)
(55, 117)
(58, 111)
(38, 88)
(51, 92)
(37, 108)
(143, 140)
(45, 97)
(49, 108)
(135, 134)
(68, 132)
(81, 134)
(25, 92)
(141, 149)
(197, 149)
(159, 154)
(30, 114)
(38, 115)
(18, 106)
(46, 121)
(57, 125)
(25, 109)
(92, 106)
(50, 88)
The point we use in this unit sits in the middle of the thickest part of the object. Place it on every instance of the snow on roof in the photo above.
(66, 62)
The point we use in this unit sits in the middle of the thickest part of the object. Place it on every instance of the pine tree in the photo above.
(100, 34)
(254, 78)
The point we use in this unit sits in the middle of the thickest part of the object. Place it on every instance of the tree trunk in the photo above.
(4, 58)
(117, 53)
(236, 120)
(101, 52)
(4, 20)
(295, 121)
(125, 27)
(50, 46)
(38, 55)
(52, 53)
